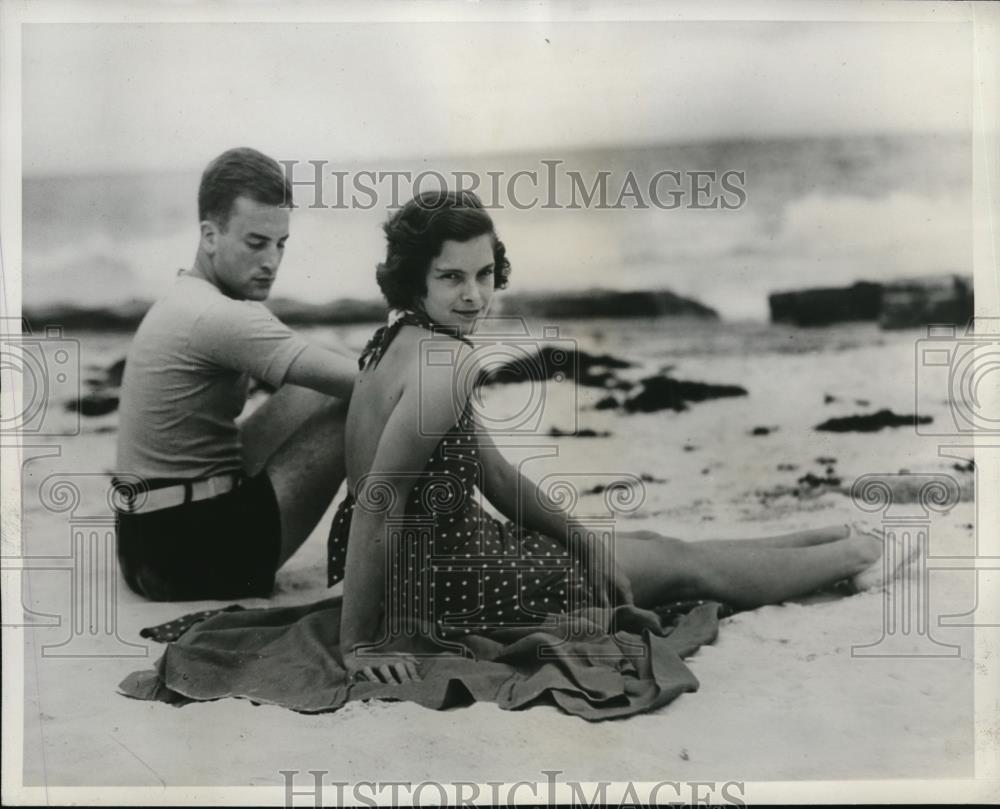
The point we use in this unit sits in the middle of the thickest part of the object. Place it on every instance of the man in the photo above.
(221, 507)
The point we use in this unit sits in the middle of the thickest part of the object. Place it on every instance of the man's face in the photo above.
(248, 252)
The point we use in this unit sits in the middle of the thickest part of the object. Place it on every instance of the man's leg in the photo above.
(264, 431)
(298, 437)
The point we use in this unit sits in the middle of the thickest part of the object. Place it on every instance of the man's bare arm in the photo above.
(323, 370)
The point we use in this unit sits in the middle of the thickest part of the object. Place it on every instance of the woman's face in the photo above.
(460, 283)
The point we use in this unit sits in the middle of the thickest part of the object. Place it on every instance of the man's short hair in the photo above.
(241, 172)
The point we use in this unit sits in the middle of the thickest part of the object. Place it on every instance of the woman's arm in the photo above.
(427, 408)
(520, 499)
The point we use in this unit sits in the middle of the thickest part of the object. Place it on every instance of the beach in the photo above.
(786, 692)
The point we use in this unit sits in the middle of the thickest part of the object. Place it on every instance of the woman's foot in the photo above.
(895, 560)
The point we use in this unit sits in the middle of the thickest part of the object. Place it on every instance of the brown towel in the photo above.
(596, 664)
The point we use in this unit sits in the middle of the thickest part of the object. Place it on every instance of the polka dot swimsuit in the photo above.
(457, 566)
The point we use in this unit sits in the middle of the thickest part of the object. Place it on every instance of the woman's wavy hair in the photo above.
(416, 233)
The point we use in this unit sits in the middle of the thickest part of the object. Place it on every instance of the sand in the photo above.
(782, 696)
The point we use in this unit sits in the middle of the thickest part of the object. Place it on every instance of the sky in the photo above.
(99, 97)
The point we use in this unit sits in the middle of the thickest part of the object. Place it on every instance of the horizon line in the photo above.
(638, 144)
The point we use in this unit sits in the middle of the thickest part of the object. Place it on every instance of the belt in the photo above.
(138, 499)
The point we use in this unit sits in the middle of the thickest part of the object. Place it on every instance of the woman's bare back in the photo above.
(377, 393)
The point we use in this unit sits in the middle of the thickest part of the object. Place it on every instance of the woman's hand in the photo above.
(616, 587)
(374, 666)
(613, 586)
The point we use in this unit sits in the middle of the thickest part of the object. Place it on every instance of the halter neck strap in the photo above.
(398, 318)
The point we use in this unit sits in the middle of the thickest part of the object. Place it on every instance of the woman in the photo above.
(410, 431)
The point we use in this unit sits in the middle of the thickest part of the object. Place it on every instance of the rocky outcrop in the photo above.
(585, 432)
(345, 310)
(822, 306)
(606, 303)
(901, 304)
(871, 422)
(94, 404)
(589, 304)
(665, 393)
(549, 362)
(103, 391)
(917, 302)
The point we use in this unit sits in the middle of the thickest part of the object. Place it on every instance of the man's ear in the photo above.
(209, 236)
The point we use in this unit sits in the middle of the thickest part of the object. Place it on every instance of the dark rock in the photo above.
(344, 310)
(110, 378)
(763, 430)
(917, 302)
(124, 316)
(828, 399)
(586, 432)
(127, 315)
(550, 362)
(813, 482)
(823, 460)
(603, 360)
(645, 477)
(606, 303)
(607, 403)
(603, 379)
(689, 448)
(114, 373)
(93, 404)
(822, 306)
(862, 402)
(787, 467)
(665, 393)
(870, 423)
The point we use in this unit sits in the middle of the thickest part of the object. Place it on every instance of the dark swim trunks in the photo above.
(223, 547)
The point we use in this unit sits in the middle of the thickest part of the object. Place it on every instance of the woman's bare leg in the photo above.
(744, 575)
(794, 539)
